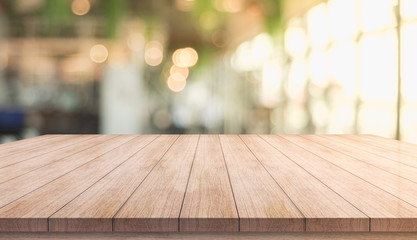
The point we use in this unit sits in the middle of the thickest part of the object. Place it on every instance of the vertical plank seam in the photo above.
(188, 180)
(59, 159)
(305, 219)
(105, 174)
(352, 145)
(369, 219)
(127, 199)
(230, 184)
(27, 159)
(59, 176)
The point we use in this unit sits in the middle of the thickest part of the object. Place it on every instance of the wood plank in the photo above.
(23, 167)
(209, 203)
(391, 143)
(93, 210)
(325, 210)
(387, 212)
(396, 151)
(28, 142)
(261, 203)
(343, 145)
(31, 212)
(211, 236)
(155, 206)
(29, 182)
(48, 145)
(388, 143)
(396, 185)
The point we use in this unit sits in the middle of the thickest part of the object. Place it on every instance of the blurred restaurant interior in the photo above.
(208, 66)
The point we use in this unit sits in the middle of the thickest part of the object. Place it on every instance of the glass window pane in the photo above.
(378, 119)
(377, 14)
(409, 62)
(408, 123)
(343, 19)
(378, 67)
(408, 9)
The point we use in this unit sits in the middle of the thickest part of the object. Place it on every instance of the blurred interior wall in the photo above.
(3, 57)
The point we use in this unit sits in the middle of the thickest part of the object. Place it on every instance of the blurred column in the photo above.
(123, 106)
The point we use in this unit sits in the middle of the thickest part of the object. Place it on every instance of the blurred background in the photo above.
(208, 66)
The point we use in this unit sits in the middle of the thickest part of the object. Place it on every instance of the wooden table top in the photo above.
(208, 183)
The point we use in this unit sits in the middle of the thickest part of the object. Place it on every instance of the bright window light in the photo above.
(377, 14)
(378, 69)
(343, 19)
(297, 78)
(318, 67)
(295, 41)
(378, 119)
(343, 67)
(408, 9)
(318, 25)
(408, 63)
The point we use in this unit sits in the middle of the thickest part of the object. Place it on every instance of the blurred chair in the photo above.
(12, 122)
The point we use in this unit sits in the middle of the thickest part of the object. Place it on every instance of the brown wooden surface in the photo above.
(324, 209)
(261, 203)
(208, 203)
(209, 183)
(210, 236)
(100, 203)
(156, 205)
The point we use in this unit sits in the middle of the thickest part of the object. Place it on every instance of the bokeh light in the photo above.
(185, 57)
(135, 42)
(154, 53)
(176, 86)
(99, 53)
(178, 77)
(179, 70)
(231, 6)
(184, 5)
(80, 7)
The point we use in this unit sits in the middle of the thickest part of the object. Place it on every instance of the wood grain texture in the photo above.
(94, 209)
(210, 236)
(208, 183)
(20, 153)
(399, 147)
(325, 210)
(261, 203)
(24, 167)
(45, 201)
(352, 148)
(28, 143)
(155, 206)
(209, 205)
(22, 185)
(396, 185)
(395, 152)
(325, 164)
